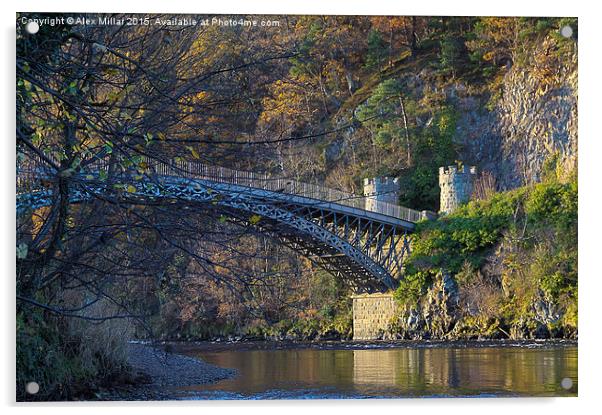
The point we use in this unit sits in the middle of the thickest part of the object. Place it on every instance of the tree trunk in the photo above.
(405, 126)
(324, 95)
(390, 45)
(413, 46)
(349, 77)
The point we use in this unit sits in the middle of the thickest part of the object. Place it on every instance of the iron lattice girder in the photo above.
(384, 244)
(364, 251)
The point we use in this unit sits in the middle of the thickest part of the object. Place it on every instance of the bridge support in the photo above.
(372, 315)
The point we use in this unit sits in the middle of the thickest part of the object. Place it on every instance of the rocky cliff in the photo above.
(533, 117)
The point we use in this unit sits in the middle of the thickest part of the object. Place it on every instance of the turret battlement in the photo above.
(380, 186)
(452, 170)
(381, 189)
(383, 180)
(456, 184)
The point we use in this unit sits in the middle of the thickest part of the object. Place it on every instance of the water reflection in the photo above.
(396, 372)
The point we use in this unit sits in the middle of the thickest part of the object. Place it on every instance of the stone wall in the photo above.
(456, 186)
(372, 313)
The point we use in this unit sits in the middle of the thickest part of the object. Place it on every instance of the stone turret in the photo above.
(381, 189)
(456, 184)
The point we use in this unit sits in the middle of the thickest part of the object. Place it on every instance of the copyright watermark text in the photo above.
(143, 20)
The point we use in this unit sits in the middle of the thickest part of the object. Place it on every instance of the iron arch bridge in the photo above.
(333, 229)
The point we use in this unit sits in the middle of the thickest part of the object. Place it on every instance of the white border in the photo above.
(590, 290)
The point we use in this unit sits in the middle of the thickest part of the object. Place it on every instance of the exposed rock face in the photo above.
(334, 151)
(436, 315)
(441, 307)
(546, 311)
(539, 323)
(533, 119)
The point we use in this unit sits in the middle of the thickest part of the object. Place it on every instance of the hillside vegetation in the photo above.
(504, 267)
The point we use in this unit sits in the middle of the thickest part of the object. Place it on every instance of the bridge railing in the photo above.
(201, 171)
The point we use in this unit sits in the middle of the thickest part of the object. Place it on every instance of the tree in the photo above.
(401, 32)
(453, 54)
(376, 53)
(384, 114)
(120, 97)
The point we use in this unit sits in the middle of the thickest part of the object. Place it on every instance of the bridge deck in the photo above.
(298, 200)
(258, 185)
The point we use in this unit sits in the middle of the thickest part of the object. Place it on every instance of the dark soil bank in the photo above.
(157, 372)
(218, 346)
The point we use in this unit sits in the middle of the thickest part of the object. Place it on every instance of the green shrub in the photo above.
(412, 287)
(537, 228)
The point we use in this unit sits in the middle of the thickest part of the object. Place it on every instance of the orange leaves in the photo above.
(286, 100)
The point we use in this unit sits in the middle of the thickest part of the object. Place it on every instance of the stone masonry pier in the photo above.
(372, 313)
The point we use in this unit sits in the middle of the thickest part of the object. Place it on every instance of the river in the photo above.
(352, 370)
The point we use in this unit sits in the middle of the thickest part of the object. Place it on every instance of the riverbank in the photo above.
(157, 371)
(242, 345)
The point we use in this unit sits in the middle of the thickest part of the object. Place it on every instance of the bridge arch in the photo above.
(365, 248)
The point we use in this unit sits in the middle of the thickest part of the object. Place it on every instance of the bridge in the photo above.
(364, 244)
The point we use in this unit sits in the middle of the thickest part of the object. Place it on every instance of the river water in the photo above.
(390, 371)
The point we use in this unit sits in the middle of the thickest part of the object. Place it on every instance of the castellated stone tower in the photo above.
(456, 186)
(381, 189)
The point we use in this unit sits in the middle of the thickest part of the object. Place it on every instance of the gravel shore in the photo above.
(170, 369)
(157, 373)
